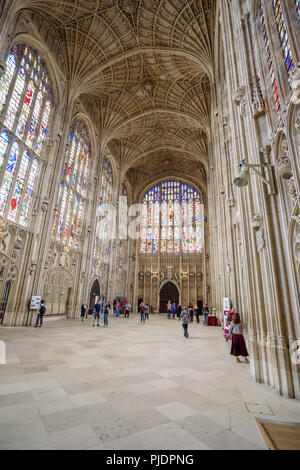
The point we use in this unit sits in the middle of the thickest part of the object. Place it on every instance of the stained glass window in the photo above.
(298, 8)
(283, 35)
(171, 219)
(269, 59)
(25, 105)
(73, 188)
(103, 242)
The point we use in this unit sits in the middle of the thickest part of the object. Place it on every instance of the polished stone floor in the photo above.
(130, 386)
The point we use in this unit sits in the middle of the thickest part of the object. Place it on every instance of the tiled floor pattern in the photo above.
(130, 386)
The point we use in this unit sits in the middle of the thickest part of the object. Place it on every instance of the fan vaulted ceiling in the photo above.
(142, 70)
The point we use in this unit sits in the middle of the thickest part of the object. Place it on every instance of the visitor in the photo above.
(86, 311)
(42, 311)
(127, 309)
(179, 310)
(174, 311)
(83, 311)
(205, 314)
(147, 311)
(186, 319)
(169, 307)
(105, 314)
(191, 312)
(117, 310)
(196, 310)
(97, 313)
(238, 345)
(142, 310)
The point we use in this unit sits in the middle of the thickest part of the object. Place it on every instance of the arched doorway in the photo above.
(168, 292)
(94, 295)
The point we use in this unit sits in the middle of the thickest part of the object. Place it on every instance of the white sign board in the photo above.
(35, 302)
(226, 303)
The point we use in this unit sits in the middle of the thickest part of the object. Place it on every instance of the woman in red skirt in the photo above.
(238, 345)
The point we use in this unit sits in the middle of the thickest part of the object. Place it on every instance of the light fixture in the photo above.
(242, 180)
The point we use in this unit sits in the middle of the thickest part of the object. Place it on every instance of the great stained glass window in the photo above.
(26, 103)
(269, 59)
(171, 219)
(103, 242)
(73, 188)
(283, 35)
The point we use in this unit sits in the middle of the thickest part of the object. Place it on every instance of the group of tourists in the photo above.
(119, 309)
(102, 309)
(176, 311)
(185, 314)
(144, 312)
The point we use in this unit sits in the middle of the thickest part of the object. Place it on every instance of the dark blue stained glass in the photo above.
(283, 35)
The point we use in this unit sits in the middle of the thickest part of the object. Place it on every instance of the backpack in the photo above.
(42, 310)
(186, 318)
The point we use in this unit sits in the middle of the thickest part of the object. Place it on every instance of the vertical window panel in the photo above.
(32, 179)
(62, 212)
(28, 100)
(103, 245)
(6, 80)
(283, 35)
(298, 8)
(19, 187)
(15, 99)
(4, 140)
(269, 59)
(34, 120)
(8, 176)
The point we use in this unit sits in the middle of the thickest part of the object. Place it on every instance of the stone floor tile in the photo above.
(76, 438)
(176, 411)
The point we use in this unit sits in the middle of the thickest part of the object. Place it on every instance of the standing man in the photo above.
(196, 310)
(169, 307)
(142, 313)
(83, 311)
(191, 312)
(42, 311)
(174, 311)
(205, 314)
(147, 311)
(179, 310)
(118, 309)
(127, 311)
(105, 315)
(97, 309)
(186, 318)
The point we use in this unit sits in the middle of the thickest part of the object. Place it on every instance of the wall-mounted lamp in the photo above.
(242, 180)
